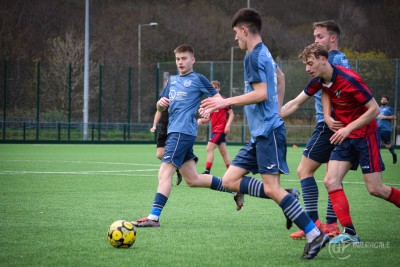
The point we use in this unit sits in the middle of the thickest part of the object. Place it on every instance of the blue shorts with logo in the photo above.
(179, 149)
(217, 138)
(265, 155)
(361, 151)
(319, 147)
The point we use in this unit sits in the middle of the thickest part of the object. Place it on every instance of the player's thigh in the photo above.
(335, 174)
(307, 167)
(233, 175)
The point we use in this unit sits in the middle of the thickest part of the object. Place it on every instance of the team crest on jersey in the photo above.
(187, 83)
(337, 92)
(172, 95)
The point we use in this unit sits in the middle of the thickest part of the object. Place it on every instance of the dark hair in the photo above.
(385, 97)
(184, 48)
(331, 26)
(314, 49)
(248, 16)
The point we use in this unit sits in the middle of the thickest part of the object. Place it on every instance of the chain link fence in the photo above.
(43, 101)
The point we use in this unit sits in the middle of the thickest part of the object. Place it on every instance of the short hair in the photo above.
(315, 50)
(216, 83)
(184, 48)
(248, 16)
(331, 26)
(385, 97)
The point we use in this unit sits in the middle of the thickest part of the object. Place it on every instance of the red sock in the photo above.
(208, 165)
(227, 166)
(341, 207)
(394, 196)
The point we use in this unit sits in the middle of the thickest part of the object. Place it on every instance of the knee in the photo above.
(376, 191)
(331, 183)
(227, 184)
(303, 172)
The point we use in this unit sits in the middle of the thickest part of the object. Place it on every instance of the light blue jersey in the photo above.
(185, 93)
(259, 66)
(385, 125)
(335, 58)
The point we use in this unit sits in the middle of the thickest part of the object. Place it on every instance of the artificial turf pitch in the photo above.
(57, 202)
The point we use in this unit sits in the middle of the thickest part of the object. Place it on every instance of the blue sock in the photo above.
(216, 184)
(330, 213)
(252, 187)
(291, 207)
(159, 202)
(310, 197)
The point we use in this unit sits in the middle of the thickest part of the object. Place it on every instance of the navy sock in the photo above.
(310, 197)
(252, 187)
(330, 213)
(159, 202)
(292, 209)
(391, 149)
(216, 184)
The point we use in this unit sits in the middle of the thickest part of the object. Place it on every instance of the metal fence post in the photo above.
(37, 100)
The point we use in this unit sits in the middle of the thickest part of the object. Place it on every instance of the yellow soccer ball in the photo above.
(121, 234)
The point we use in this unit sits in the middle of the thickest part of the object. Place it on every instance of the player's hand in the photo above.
(153, 129)
(163, 102)
(333, 124)
(227, 130)
(211, 104)
(339, 136)
(199, 122)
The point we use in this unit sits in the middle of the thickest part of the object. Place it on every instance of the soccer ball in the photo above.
(121, 234)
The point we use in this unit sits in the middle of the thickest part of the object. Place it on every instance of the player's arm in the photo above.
(281, 87)
(294, 104)
(231, 114)
(327, 108)
(157, 118)
(367, 117)
(162, 104)
(258, 94)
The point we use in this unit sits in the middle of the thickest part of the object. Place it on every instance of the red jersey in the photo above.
(218, 120)
(348, 94)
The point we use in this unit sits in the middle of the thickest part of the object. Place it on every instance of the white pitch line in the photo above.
(83, 162)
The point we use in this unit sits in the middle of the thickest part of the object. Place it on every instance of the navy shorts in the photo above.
(179, 149)
(217, 138)
(162, 138)
(385, 137)
(319, 147)
(265, 155)
(361, 151)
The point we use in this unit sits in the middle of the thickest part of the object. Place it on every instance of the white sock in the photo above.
(152, 217)
(314, 233)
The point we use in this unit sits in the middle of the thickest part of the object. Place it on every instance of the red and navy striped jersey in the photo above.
(348, 94)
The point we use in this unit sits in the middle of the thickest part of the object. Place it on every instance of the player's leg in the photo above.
(333, 183)
(224, 153)
(292, 209)
(372, 167)
(210, 156)
(165, 174)
(385, 136)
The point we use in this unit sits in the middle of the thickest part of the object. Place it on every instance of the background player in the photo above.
(220, 127)
(161, 118)
(384, 120)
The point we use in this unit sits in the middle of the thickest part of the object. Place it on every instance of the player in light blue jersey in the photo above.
(266, 151)
(318, 148)
(182, 96)
(384, 120)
